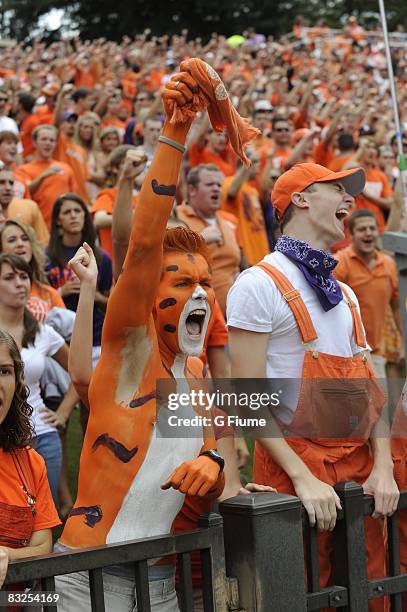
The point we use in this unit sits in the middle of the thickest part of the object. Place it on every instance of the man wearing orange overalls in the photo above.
(297, 322)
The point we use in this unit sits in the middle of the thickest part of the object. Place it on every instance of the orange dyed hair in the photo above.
(184, 240)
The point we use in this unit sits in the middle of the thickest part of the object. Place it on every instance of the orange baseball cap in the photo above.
(301, 176)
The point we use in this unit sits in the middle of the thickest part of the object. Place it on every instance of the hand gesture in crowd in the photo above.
(71, 287)
(195, 477)
(134, 164)
(84, 265)
(180, 89)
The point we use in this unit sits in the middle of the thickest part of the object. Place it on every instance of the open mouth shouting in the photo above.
(194, 321)
(342, 213)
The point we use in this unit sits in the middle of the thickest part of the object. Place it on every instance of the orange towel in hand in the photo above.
(212, 94)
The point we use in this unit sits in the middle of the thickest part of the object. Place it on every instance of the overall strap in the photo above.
(294, 301)
(358, 331)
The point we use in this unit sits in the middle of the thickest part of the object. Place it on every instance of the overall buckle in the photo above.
(291, 295)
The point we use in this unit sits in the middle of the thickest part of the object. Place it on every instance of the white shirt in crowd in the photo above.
(255, 304)
(47, 343)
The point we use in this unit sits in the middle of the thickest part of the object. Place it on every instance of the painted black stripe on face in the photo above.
(165, 190)
(168, 302)
(140, 401)
(171, 269)
(93, 514)
(118, 450)
(170, 328)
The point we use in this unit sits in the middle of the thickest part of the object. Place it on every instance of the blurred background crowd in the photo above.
(71, 109)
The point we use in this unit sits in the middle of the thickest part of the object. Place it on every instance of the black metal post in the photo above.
(213, 565)
(349, 547)
(264, 551)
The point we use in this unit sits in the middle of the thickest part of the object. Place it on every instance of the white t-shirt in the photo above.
(254, 303)
(47, 343)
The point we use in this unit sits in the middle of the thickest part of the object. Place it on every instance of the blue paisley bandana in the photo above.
(317, 266)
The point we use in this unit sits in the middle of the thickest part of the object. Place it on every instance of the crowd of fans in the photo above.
(71, 111)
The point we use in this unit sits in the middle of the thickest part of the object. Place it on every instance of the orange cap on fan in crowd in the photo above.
(301, 176)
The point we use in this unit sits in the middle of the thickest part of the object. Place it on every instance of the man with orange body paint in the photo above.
(297, 322)
(156, 322)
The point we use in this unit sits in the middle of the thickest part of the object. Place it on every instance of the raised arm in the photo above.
(132, 299)
(83, 264)
(122, 213)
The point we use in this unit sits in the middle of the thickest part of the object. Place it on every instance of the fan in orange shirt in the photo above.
(86, 72)
(202, 215)
(377, 195)
(210, 147)
(47, 178)
(45, 113)
(111, 118)
(324, 150)
(241, 198)
(27, 122)
(346, 146)
(102, 208)
(67, 150)
(281, 133)
(26, 211)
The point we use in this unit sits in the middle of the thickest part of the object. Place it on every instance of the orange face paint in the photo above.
(184, 303)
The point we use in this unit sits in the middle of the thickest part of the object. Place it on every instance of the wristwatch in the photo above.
(213, 454)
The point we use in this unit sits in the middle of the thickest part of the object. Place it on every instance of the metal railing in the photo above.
(266, 538)
(208, 539)
(267, 557)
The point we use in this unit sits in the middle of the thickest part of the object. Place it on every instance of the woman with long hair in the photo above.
(109, 139)
(36, 341)
(24, 489)
(71, 226)
(20, 239)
